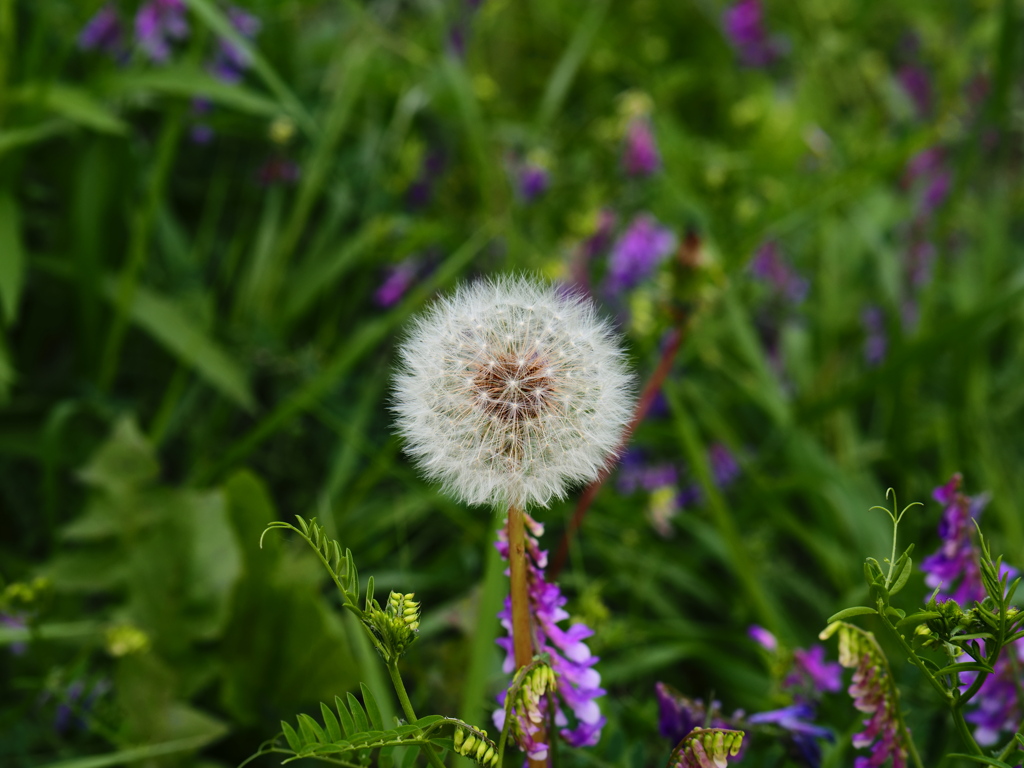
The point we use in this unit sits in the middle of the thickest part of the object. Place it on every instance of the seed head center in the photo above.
(513, 388)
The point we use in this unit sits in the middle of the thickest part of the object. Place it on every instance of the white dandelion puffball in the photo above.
(509, 391)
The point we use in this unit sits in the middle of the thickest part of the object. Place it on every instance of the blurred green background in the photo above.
(215, 220)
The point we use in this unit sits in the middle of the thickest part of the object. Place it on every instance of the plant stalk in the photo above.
(410, 713)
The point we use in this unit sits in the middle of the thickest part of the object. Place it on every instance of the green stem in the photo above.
(916, 660)
(410, 713)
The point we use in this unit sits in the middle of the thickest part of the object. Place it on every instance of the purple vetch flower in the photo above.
(578, 683)
(724, 469)
(637, 252)
(230, 62)
(996, 708)
(636, 474)
(763, 637)
(399, 277)
(640, 155)
(103, 32)
(75, 703)
(744, 26)
(678, 715)
(533, 181)
(797, 721)
(916, 81)
(812, 672)
(157, 23)
(954, 567)
(876, 342)
(769, 266)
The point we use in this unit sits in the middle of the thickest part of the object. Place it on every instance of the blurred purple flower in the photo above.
(578, 682)
(636, 474)
(916, 81)
(724, 469)
(602, 236)
(278, 170)
(678, 715)
(399, 277)
(14, 621)
(421, 190)
(996, 708)
(744, 26)
(103, 32)
(533, 181)
(798, 722)
(811, 671)
(156, 24)
(637, 253)
(876, 342)
(640, 155)
(230, 62)
(769, 266)
(763, 637)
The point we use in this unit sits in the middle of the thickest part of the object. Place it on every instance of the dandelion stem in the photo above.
(522, 636)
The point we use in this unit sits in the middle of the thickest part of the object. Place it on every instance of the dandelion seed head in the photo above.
(509, 391)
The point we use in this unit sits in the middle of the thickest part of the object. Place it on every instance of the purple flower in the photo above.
(533, 181)
(797, 721)
(399, 278)
(917, 83)
(640, 156)
(230, 62)
(635, 474)
(578, 682)
(954, 567)
(876, 342)
(995, 708)
(422, 189)
(678, 715)
(744, 26)
(763, 637)
(872, 694)
(156, 24)
(811, 671)
(724, 469)
(769, 266)
(637, 252)
(103, 32)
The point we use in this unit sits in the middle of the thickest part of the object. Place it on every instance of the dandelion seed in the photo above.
(512, 391)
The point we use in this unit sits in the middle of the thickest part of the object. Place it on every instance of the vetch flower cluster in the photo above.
(874, 694)
(577, 683)
(509, 391)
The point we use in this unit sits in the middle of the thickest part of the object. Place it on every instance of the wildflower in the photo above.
(509, 390)
(724, 469)
(17, 622)
(637, 252)
(635, 474)
(917, 84)
(533, 181)
(873, 693)
(103, 32)
(422, 188)
(156, 24)
(576, 683)
(744, 26)
(640, 155)
(954, 567)
(707, 748)
(876, 342)
(763, 637)
(811, 671)
(399, 278)
(679, 715)
(769, 266)
(797, 721)
(230, 62)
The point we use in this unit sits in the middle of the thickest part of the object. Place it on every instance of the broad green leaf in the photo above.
(901, 580)
(169, 325)
(12, 257)
(22, 137)
(125, 460)
(71, 102)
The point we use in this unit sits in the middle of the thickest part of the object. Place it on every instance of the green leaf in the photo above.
(372, 710)
(189, 81)
(362, 724)
(291, 737)
(134, 754)
(966, 666)
(916, 618)
(347, 723)
(898, 613)
(171, 327)
(331, 721)
(12, 257)
(981, 759)
(311, 731)
(21, 137)
(71, 102)
(846, 613)
(901, 580)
